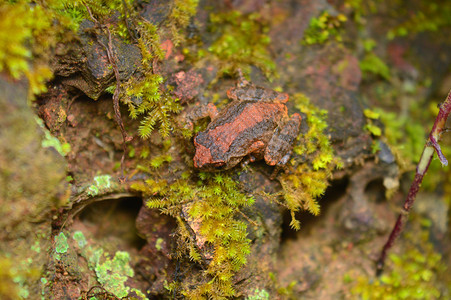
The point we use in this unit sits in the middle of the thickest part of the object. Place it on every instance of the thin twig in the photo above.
(430, 147)
(113, 62)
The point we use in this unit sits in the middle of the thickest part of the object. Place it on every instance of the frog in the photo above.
(254, 126)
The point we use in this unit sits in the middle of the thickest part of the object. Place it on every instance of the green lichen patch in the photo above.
(113, 273)
(102, 184)
(243, 42)
(259, 295)
(80, 239)
(211, 204)
(61, 244)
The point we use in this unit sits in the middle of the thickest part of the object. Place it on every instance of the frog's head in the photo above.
(204, 160)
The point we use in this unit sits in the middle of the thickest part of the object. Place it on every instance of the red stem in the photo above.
(422, 167)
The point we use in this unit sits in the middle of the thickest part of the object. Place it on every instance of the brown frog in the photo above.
(255, 125)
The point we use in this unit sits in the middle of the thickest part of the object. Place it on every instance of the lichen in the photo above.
(102, 183)
(113, 273)
(259, 295)
(79, 237)
(61, 244)
(15, 277)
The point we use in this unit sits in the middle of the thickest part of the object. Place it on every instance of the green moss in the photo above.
(309, 179)
(415, 274)
(405, 136)
(213, 203)
(324, 28)
(243, 42)
(426, 16)
(179, 18)
(50, 141)
(374, 65)
(144, 95)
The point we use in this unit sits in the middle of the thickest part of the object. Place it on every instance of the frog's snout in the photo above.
(202, 156)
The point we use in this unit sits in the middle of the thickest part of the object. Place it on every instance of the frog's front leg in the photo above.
(196, 113)
(278, 151)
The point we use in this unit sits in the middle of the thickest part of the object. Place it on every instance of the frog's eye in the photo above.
(219, 166)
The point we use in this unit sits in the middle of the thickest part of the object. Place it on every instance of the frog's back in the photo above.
(242, 122)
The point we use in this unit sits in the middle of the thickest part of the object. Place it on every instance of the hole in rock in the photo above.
(116, 218)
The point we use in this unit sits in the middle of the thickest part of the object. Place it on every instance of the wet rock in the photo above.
(86, 66)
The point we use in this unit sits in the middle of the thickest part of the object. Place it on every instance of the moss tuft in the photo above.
(144, 95)
(309, 179)
(324, 28)
(416, 274)
(243, 41)
(211, 206)
(180, 17)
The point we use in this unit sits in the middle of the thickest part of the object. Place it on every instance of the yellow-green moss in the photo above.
(324, 28)
(417, 273)
(179, 18)
(144, 95)
(243, 41)
(213, 202)
(310, 178)
(427, 16)
(25, 35)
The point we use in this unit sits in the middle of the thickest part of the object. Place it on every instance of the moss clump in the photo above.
(309, 179)
(324, 28)
(372, 64)
(243, 42)
(26, 36)
(423, 16)
(144, 95)
(211, 206)
(415, 274)
(181, 14)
